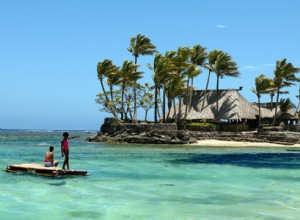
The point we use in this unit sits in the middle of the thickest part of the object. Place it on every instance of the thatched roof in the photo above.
(232, 105)
(267, 112)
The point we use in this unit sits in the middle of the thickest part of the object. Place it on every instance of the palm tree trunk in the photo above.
(272, 95)
(164, 103)
(175, 113)
(259, 113)
(204, 97)
(146, 113)
(169, 107)
(191, 94)
(134, 96)
(297, 109)
(103, 89)
(217, 93)
(155, 102)
(187, 99)
(179, 110)
(112, 109)
(130, 113)
(123, 108)
(111, 93)
(159, 97)
(277, 101)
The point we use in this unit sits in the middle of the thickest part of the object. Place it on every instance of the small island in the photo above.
(186, 115)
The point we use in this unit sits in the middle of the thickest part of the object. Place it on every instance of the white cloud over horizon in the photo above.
(251, 67)
(269, 64)
(221, 26)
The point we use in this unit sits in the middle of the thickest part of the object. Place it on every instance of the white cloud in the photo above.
(251, 67)
(269, 64)
(221, 26)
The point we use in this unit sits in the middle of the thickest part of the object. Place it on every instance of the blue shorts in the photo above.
(48, 164)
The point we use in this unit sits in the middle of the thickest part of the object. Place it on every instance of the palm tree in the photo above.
(223, 66)
(107, 69)
(198, 57)
(212, 57)
(112, 80)
(159, 71)
(284, 76)
(191, 72)
(272, 91)
(170, 69)
(285, 105)
(262, 84)
(140, 45)
(127, 74)
(174, 87)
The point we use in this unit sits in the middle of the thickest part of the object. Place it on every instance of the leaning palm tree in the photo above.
(191, 72)
(198, 56)
(262, 84)
(284, 76)
(211, 57)
(140, 45)
(112, 80)
(127, 75)
(107, 69)
(223, 66)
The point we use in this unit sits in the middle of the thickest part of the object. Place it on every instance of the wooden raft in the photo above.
(40, 169)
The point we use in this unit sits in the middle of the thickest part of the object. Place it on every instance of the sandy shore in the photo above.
(218, 143)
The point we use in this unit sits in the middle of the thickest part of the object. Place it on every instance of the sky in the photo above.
(49, 50)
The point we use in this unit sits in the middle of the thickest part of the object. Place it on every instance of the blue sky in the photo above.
(49, 49)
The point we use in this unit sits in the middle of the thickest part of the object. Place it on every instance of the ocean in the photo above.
(148, 182)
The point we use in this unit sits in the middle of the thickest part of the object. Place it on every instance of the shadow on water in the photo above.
(57, 183)
(86, 214)
(253, 160)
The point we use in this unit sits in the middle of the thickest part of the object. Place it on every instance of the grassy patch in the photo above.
(201, 124)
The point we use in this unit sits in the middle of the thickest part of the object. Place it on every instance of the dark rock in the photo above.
(114, 132)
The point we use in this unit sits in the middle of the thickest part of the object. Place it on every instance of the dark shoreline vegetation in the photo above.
(172, 96)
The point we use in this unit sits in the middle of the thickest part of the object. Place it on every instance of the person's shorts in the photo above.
(48, 164)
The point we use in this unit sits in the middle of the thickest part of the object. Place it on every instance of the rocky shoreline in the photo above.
(112, 132)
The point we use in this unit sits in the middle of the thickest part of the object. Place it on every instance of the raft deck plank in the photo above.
(40, 169)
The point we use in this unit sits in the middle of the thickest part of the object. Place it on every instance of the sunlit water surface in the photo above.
(149, 182)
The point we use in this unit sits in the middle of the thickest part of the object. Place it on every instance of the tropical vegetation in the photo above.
(263, 85)
(173, 75)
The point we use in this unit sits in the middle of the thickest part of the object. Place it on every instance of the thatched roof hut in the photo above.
(232, 106)
(268, 112)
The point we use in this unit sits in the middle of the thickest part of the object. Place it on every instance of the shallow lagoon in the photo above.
(149, 182)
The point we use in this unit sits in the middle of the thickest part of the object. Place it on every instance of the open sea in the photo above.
(148, 182)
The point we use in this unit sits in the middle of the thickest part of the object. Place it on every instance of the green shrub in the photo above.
(201, 124)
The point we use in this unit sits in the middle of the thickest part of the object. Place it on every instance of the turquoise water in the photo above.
(149, 182)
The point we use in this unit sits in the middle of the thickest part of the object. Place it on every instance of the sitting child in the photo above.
(49, 158)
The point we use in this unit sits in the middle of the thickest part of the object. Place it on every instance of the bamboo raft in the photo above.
(40, 169)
